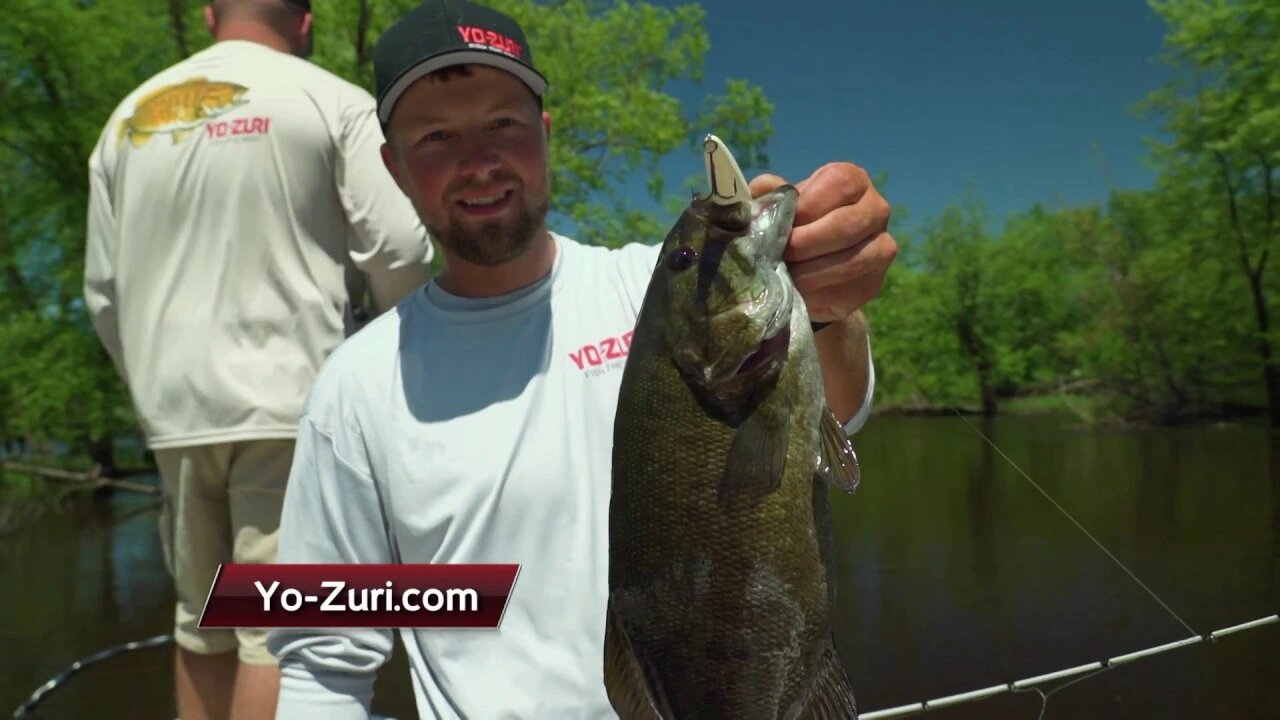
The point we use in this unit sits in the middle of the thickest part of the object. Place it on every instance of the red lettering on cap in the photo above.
(480, 36)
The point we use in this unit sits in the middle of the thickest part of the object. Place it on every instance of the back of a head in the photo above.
(284, 24)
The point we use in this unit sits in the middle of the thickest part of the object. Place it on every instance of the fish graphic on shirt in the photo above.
(178, 109)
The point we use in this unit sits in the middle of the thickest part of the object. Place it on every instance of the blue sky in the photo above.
(1009, 96)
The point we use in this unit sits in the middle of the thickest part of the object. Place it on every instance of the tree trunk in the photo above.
(177, 10)
(988, 390)
(1270, 369)
(978, 350)
(1254, 271)
(102, 453)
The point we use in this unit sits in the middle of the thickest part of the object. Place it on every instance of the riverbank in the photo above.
(1094, 409)
(32, 485)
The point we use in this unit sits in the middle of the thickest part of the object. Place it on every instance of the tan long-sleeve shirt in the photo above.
(238, 204)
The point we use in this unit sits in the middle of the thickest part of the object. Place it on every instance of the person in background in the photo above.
(239, 209)
(474, 423)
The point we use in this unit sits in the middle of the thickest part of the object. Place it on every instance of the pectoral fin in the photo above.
(623, 677)
(838, 462)
(757, 458)
(831, 697)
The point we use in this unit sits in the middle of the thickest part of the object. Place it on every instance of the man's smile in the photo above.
(486, 204)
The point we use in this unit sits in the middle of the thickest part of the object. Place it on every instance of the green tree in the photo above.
(1167, 322)
(935, 345)
(1223, 114)
(64, 65)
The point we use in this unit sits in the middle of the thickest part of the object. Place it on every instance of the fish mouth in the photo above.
(775, 214)
(764, 354)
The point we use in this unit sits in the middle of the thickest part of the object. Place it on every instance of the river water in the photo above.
(956, 574)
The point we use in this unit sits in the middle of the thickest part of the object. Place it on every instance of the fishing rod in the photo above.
(1093, 668)
(61, 678)
(1024, 685)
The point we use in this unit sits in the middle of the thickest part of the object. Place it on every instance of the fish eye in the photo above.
(682, 258)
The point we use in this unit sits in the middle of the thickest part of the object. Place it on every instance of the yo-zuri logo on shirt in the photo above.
(603, 353)
(239, 126)
(479, 36)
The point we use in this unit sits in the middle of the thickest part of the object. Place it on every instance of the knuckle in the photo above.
(884, 210)
(851, 177)
(890, 247)
(849, 180)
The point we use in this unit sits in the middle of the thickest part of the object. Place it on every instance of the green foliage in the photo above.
(66, 64)
(1223, 115)
(977, 316)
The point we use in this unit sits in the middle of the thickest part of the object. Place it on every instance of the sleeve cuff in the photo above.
(857, 421)
(307, 694)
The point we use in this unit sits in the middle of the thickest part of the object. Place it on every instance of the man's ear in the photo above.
(546, 124)
(210, 21)
(393, 166)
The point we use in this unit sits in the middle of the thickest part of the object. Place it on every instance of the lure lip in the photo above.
(727, 185)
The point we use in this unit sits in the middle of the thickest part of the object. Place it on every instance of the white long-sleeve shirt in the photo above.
(238, 204)
(471, 431)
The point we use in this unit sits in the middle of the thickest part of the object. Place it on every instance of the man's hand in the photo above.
(840, 247)
(838, 254)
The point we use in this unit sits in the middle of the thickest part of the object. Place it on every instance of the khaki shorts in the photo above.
(222, 504)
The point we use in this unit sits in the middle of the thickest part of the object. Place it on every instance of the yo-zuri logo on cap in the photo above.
(480, 36)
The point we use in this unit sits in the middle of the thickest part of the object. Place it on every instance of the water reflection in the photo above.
(955, 573)
(981, 515)
(992, 583)
(1273, 586)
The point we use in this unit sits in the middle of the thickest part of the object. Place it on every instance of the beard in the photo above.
(494, 242)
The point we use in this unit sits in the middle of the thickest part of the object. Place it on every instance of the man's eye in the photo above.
(504, 122)
(434, 136)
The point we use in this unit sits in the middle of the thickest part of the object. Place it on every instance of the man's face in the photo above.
(470, 151)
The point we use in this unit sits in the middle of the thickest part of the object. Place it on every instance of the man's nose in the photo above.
(480, 160)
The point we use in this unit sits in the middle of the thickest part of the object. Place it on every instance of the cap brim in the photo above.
(533, 79)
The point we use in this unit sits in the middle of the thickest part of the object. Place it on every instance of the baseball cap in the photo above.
(440, 33)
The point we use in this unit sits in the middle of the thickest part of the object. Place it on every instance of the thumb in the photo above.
(762, 184)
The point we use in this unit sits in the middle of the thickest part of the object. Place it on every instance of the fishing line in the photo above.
(1077, 523)
(1044, 696)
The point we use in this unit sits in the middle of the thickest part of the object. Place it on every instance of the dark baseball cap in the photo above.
(440, 33)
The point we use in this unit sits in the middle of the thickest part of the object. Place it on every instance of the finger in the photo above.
(844, 268)
(832, 304)
(831, 186)
(839, 229)
(762, 184)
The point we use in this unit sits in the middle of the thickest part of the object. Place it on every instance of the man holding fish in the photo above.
(466, 427)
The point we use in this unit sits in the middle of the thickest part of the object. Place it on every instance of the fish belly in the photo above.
(726, 611)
